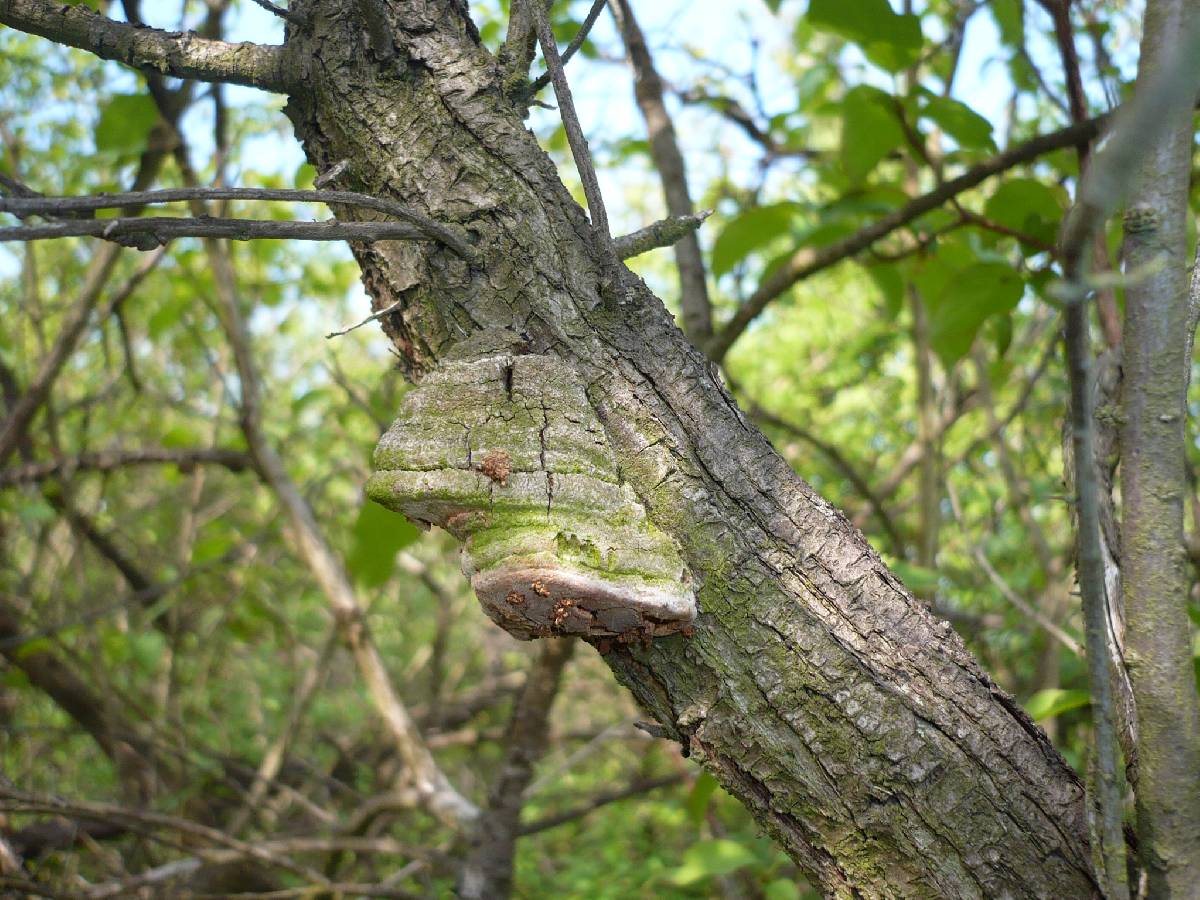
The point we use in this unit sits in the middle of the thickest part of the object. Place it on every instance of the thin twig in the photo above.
(390, 308)
(570, 120)
(572, 48)
(1168, 92)
(270, 7)
(596, 802)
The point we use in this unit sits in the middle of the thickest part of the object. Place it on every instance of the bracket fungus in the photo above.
(505, 452)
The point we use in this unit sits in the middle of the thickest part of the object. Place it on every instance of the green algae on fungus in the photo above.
(506, 453)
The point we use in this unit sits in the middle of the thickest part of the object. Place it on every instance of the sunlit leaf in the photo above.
(1026, 206)
(966, 302)
(1053, 702)
(750, 231)
(967, 127)
(890, 40)
(699, 797)
(870, 130)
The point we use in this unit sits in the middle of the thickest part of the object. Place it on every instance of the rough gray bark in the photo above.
(851, 722)
(1155, 577)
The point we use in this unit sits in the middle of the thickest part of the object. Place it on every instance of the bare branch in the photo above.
(572, 48)
(107, 460)
(672, 171)
(430, 783)
(596, 802)
(183, 55)
(14, 800)
(809, 260)
(22, 413)
(570, 120)
(57, 206)
(1165, 95)
(150, 232)
(662, 233)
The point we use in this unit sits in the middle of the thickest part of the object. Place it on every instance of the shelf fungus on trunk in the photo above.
(505, 452)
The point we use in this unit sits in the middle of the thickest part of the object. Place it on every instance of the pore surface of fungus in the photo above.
(505, 452)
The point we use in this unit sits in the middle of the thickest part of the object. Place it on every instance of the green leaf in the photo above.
(378, 535)
(750, 231)
(965, 303)
(869, 130)
(125, 123)
(1010, 19)
(182, 435)
(304, 177)
(968, 128)
(705, 859)
(1028, 206)
(889, 40)
(1054, 702)
(699, 797)
(891, 286)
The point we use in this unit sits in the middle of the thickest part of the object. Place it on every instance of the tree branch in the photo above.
(668, 160)
(487, 871)
(26, 407)
(809, 260)
(180, 54)
(107, 460)
(570, 120)
(151, 232)
(663, 233)
(572, 48)
(58, 206)
(430, 783)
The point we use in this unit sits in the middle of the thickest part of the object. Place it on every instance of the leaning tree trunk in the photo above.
(853, 723)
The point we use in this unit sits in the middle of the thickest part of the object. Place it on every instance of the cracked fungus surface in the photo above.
(505, 452)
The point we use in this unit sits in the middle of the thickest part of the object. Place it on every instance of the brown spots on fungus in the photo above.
(497, 465)
(562, 609)
(539, 588)
(515, 598)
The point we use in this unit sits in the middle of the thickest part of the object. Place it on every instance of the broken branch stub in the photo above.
(505, 452)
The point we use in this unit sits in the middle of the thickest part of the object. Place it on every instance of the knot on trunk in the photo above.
(505, 452)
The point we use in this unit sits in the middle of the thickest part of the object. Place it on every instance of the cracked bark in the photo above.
(853, 724)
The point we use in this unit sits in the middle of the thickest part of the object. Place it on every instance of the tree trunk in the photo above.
(1155, 578)
(852, 723)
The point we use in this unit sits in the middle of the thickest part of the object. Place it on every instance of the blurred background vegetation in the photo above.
(159, 603)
